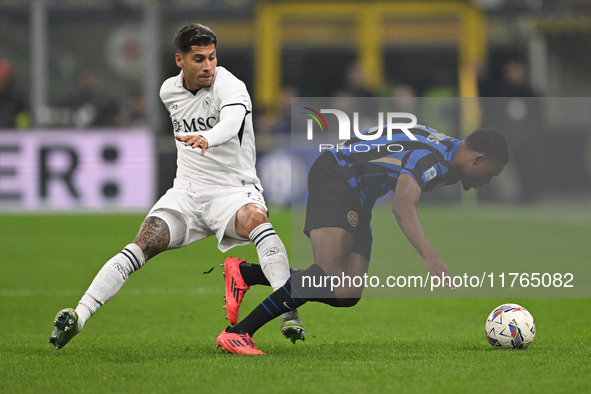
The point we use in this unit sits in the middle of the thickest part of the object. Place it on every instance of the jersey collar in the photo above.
(179, 80)
(451, 154)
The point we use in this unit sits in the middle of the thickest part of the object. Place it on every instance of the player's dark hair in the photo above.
(490, 142)
(194, 34)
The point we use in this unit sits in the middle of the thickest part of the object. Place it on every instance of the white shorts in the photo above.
(192, 215)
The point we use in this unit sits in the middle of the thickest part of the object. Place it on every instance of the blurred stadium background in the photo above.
(82, 126)
(82, 130)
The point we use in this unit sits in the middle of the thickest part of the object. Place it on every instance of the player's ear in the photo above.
(478, 158)
(178, 60)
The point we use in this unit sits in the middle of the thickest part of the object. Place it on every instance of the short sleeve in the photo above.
(422, 166)
(232, 91)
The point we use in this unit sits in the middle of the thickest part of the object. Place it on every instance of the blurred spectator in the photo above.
(88, 106)
(133, 112)
(519, 115)
(137, 113)
(512, 82)
(273, 128)
(12, 109)
(355, 96)
(282, 125)
(515, 82)
(263, 124)
(356, 84)
(405, 98)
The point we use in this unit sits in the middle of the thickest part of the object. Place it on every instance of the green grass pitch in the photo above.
(158, 334)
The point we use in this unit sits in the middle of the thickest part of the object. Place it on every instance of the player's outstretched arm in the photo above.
(231, 120)
(406, 198)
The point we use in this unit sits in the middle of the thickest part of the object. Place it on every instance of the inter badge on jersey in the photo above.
(353, 218)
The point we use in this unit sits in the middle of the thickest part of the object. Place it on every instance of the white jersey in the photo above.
(231, 163)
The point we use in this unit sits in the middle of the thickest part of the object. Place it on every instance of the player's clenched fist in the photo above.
(194, 141)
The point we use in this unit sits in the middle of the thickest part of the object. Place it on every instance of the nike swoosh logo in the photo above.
(287, 306)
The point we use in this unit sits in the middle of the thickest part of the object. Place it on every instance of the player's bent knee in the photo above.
(348, 296)
(160, 231)
(253, 216)
(153, 237)
(258, 217)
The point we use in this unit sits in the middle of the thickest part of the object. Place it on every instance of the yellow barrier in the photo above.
(368, 27)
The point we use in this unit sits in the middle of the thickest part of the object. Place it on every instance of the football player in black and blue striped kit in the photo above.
(344, 184)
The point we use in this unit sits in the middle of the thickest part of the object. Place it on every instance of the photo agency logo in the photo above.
(399, 121)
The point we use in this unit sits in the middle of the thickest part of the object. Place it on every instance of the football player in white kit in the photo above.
(216, 190)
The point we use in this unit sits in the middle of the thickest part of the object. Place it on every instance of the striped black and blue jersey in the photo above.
(373, 167)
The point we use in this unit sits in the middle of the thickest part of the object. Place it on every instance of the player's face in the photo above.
(198, 66)
(480, 171)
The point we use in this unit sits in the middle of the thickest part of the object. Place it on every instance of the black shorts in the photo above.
(333, 203)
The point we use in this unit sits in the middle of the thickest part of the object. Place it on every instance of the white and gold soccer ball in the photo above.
(510, 326)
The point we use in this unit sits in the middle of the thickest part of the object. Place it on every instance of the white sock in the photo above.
(109, 280)
(272, 255)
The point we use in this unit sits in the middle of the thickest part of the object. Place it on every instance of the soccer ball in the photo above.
(510, 326)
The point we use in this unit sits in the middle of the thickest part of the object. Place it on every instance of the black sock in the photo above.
(285, 299)
(312, 286)
(253, 274)
(279, 302)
